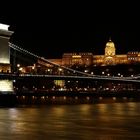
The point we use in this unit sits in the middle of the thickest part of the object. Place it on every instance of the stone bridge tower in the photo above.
(6, 86)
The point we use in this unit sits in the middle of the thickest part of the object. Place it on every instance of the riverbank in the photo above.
(62, 97)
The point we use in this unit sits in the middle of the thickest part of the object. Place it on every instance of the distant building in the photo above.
(110, 57)
(77, 59)
(87, 58)
(133, 57)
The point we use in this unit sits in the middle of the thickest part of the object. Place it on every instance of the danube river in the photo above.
(112, 121)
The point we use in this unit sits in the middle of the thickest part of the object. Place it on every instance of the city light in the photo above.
(92, 73)
(108, 74)
(18, 65)
(20, 69)
(60, 69)
(6, 86)
(76, 56)
(33, 67)
(4, 26)
(119, 74)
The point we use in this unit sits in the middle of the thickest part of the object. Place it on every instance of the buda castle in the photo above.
(109, 58)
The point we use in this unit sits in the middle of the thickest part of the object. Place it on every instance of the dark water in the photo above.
(116, 121)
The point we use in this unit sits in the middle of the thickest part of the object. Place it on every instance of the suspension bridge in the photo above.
(79, 74)
(71, 80)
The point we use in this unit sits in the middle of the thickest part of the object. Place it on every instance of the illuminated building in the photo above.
(89, 59)
(77, 59)
(110, 57)
(133, 57)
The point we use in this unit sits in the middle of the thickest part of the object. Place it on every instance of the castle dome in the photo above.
(110, 49)
(110, 44)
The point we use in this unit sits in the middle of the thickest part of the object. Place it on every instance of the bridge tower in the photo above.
(6, 86)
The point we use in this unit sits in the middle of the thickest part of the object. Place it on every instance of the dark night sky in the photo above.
(50, 35)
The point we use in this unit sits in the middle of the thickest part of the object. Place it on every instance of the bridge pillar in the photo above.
(6, 86)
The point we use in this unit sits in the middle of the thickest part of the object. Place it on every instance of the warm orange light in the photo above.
(76, 56)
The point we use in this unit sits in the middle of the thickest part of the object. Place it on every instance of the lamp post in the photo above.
(60, 71)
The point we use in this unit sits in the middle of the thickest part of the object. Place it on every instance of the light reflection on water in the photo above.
(64, 122)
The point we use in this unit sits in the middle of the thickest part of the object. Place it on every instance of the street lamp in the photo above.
(60, 70)
(103, 72)
(18, 65)
(119, 74)
(108, 74)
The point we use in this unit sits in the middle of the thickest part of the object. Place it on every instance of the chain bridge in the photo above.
(46, 76)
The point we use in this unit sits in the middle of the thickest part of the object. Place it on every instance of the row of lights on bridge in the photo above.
(60, 70)
(64, 97)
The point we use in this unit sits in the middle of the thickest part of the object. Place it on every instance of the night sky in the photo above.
(51, 35)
